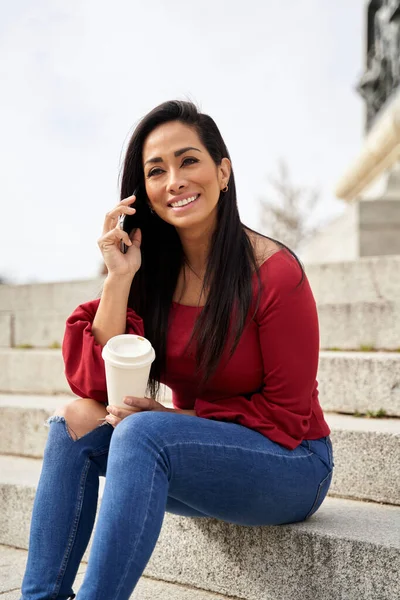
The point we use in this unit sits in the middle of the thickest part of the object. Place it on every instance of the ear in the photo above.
(224, 172)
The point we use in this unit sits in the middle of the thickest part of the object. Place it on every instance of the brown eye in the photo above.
(154, 171)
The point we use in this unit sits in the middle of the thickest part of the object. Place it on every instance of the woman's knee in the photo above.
(82, 415)
(144, 425)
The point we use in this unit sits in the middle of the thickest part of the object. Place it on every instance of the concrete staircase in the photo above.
(349, 549)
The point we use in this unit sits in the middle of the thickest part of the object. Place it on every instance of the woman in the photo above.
(233, 321)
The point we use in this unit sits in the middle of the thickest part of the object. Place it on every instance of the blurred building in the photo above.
(370, 225)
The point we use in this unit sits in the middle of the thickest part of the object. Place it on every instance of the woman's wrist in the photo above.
(113, 281)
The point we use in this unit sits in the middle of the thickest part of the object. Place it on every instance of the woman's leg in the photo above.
(219, 469)
(66, 501)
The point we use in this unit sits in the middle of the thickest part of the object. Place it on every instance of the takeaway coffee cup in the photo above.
(127, 360)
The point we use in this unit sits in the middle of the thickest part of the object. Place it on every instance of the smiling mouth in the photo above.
(184, 202)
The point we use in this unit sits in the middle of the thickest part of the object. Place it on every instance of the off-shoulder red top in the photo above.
(268, 385)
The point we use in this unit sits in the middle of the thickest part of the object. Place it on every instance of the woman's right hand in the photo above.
(116, 261)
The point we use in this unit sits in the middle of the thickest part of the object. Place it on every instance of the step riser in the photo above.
(33, 372)
(348, 382)
(353, 326)
(17, 504)
(60, 297)
(359, 382)
(344, 326)
(366, 463)
(12, 569)
(366, 466)
(372, 571)
(370, 279)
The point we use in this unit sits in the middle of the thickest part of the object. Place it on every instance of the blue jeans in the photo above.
(156, 462)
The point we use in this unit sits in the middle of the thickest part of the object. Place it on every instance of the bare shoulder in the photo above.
(263, 247)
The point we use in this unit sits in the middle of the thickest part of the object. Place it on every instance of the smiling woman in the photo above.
(195, 249)
(190, 185)
(233, 321)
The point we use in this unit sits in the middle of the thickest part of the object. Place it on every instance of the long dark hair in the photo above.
(231, 261)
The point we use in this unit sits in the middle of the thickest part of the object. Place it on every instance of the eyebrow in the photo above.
(157, 159)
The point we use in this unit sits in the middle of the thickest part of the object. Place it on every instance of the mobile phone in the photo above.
(129, 222)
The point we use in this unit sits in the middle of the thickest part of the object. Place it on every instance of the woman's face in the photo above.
(173, 172)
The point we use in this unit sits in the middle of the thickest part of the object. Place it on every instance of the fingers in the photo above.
(114, 421)
(116, 414)
(122, 208)
(143, 403)
(136, 239)
(115, 235)
(121, 413)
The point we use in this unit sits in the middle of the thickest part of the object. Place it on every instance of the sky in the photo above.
(76, 77)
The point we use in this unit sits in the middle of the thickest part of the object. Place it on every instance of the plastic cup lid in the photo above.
(126, 347)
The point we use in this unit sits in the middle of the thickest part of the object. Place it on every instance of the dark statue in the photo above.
(382, 75)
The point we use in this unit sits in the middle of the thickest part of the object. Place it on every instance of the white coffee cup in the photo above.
(127, 360)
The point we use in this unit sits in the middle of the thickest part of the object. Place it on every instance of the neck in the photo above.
(196, 247)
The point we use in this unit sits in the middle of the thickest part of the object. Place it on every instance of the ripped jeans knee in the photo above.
(74, 436)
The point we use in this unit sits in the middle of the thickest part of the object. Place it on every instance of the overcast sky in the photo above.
(277, 77)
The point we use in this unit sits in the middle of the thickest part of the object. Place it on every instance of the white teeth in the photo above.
(183, 202)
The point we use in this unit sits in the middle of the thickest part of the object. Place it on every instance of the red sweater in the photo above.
(268, 385)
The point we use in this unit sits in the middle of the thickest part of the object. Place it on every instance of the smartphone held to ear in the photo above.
(129, 222)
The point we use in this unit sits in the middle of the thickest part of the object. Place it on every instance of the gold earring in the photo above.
(225, 189)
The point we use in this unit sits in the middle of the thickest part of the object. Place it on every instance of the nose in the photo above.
(176, 181)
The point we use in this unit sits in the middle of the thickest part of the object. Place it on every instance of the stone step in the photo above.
(22, 424)
(12, 569)
(349, 382)
(356, 325)
(366, 451)
(348, 326)
(347, 549)
(368, 279)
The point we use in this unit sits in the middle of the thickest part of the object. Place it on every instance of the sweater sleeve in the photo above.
(289, 342)
(84, 365)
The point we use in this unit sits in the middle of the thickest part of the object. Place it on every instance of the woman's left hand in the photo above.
(134, 405)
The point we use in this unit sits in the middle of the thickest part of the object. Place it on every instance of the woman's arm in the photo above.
(289, 343)
(82, 354)
(110, 319)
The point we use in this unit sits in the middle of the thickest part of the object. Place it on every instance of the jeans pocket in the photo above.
(321, 493)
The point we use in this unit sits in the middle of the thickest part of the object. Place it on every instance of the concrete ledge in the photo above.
(371, 279)
(22, 429)
(367, 458)
(344, 325)
(359, 381)
(12, 569)
(348, 381)
(359, 299)
(6, 329)
(39, 328)
(353, 325)
(32, 371)
(366, 451)
(346, 549)
(61, 296)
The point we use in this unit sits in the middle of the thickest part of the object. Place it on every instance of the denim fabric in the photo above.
(157, 462)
